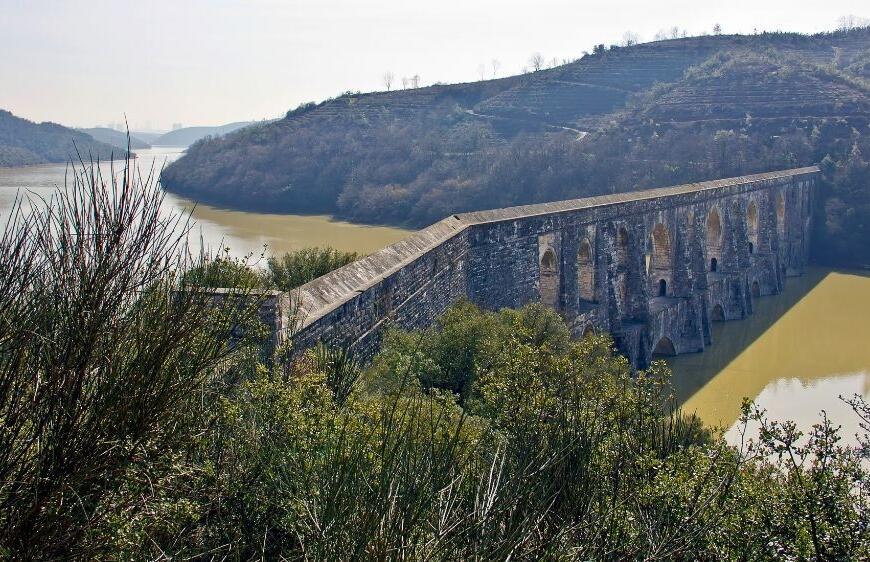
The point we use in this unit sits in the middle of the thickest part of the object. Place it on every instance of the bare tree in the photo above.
(495, 64)
(387, 79)
(415, 81)
(481, 70)
(537, 61)
(630, 38)
(717, 29)
(660, 35)
(404, 82)
(851, 21)
(675, 32)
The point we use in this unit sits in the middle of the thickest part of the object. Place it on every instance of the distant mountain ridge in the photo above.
(24, 142)
(115, 138)
(186, 136)
(620, 119)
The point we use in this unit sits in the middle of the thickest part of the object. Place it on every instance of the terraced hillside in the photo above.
(620, 119)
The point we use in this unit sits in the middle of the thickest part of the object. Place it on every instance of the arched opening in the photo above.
(780, 215)
(714, 237)
(622, 246)
(588, 331)
(664, 348)
(717, 314)
(549, 279)
(756, 289)
(714, 264)
(752, 225)
(585, 272)
(663, 288)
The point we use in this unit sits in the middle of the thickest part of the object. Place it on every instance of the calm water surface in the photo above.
(242, 232)
(794, 356)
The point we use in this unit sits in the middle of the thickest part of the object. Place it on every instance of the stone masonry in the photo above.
(654, 268)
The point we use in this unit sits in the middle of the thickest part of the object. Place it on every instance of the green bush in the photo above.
(294, 269)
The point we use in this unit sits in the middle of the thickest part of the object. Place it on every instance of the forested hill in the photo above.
(24, 142)
(619, 119)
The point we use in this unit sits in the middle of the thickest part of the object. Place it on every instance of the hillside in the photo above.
(620, 119)
(186, 136)
(24, 143)
(115, 138)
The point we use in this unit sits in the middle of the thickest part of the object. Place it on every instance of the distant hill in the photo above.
(24, 142)
(620, 119)
(115, 138)
(146, 137)
(186, 136)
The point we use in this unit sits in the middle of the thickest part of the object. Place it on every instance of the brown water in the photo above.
(794, 356)
(242, 232)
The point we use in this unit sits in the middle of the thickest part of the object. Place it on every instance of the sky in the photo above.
(207, 62)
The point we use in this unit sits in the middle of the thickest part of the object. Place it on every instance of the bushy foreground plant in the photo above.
(104, 354)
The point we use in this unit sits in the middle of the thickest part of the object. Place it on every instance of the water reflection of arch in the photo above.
(586, 271)
(714, 234)
(549, 281)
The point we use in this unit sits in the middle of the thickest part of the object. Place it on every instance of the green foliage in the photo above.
(226, 271)
(294, 269)
(104, 353)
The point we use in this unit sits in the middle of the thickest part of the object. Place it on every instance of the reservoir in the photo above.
(795, 356)
(243, 232)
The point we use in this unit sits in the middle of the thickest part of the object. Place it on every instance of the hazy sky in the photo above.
(198, 62)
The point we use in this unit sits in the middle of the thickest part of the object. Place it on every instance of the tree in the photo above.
(675, 32)
(481, 70)
(717, 29)
(630, 38)
(495, 64)
(415, 81)
(851, 21)
(387, 79)
(536, 61)
(598, 49)
(404, 82)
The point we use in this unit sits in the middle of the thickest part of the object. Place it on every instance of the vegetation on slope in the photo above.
(141, 420)
(24, 142)
(657, 114)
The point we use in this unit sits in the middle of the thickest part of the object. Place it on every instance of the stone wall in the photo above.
(660, 269)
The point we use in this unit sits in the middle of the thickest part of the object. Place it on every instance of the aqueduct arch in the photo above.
(714, 239)
(586, 271)
(661, 263)
(752, 226)
(664, 348)
(549, 279)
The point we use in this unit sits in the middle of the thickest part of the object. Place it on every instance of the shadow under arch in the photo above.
(692, 371)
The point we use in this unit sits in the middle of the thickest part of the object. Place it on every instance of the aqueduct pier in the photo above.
(654, 268)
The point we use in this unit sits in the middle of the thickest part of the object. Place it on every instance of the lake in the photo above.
(243, 232)
(794, 356)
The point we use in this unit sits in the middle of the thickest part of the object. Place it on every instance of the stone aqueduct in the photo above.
(654, 268)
